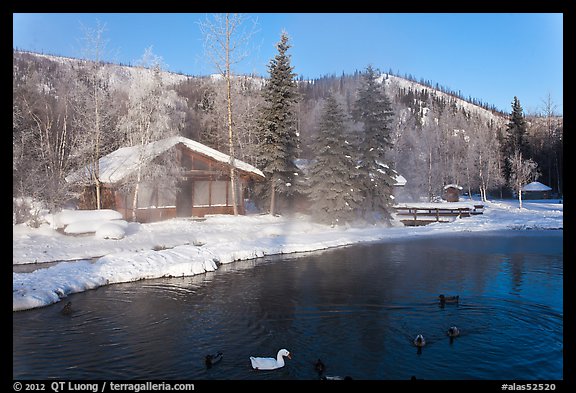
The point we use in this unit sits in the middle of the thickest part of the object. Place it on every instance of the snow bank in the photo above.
(105, 223)
(67, 217)
(102, 226)
(46, 286)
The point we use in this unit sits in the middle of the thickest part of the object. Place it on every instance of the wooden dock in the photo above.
(424, 214)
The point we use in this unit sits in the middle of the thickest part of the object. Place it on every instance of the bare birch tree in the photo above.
(225, 43)
(522, 171)
(43, 136)
(153, 112)
(553, 139)
(487, 160)
(93, 107)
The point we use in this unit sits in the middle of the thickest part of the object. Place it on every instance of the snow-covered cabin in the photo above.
(203, 187)
(452, 192)
(536, 190)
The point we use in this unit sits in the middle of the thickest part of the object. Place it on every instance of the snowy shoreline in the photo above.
(183, 247)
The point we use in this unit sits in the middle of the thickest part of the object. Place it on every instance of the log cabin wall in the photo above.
(205, 188)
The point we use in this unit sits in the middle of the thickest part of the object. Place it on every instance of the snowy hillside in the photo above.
(120, 74)
(394, 83)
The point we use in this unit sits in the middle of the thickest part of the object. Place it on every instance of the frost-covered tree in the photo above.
(277, 127)
(42, 132)
(545, 139)
(484, 160)
(93, 107)
(225, 43)
(522, 171)
(154, 112)
(333, 190)
(374, 111)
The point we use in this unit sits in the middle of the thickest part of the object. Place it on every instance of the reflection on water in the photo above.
(357, 308)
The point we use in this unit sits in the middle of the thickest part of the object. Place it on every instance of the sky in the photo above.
(491, 57)
(125, 252)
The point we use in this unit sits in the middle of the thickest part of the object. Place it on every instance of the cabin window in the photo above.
(146, 196)
(220, 194)
(152, 195)
(166, 197)
(201, 193)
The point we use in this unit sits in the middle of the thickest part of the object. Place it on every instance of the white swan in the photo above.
(270, 363)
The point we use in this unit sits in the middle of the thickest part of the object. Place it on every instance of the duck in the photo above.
(453, 331)
(67, 309)
(211, 360)
(448, 299)
(336, 378)
(261, 363)
(319, 367)
(419, 341)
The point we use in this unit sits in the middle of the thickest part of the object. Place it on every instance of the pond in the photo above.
(357, 308)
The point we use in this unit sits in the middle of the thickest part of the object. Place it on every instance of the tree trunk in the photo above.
(233, 179)
(230, 131)
(429, 176)
(135, 197)
(557, 174)
(98, 195)
(273, 197)
(97, 147)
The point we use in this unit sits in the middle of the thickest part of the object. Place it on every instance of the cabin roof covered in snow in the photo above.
(536, 186)
(120, 163)
(447, 186)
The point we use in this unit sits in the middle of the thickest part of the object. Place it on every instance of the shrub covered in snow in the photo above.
(67, 217)
(104, 223)
(28, 211)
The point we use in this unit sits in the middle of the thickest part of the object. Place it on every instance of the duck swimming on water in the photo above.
(336, 378)
(319, 367)
(211, 360)
(448, 299)
(419, 341)
(67, 309)
(453, 331)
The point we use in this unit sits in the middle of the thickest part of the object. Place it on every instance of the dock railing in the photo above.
(430, 214)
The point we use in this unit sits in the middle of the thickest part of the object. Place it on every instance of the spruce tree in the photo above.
(517, 129)
(277, 128)
(333, 189)
(374, 111)
(515, 137)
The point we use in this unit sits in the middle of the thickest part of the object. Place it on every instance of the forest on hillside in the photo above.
(67, 112)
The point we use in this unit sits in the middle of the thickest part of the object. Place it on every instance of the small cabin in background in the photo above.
(452, 192)
(202, 186)
(536, 190)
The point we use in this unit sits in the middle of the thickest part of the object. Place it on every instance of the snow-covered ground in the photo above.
(180, 247)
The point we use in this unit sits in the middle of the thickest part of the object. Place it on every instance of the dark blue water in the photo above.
(357, 309)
